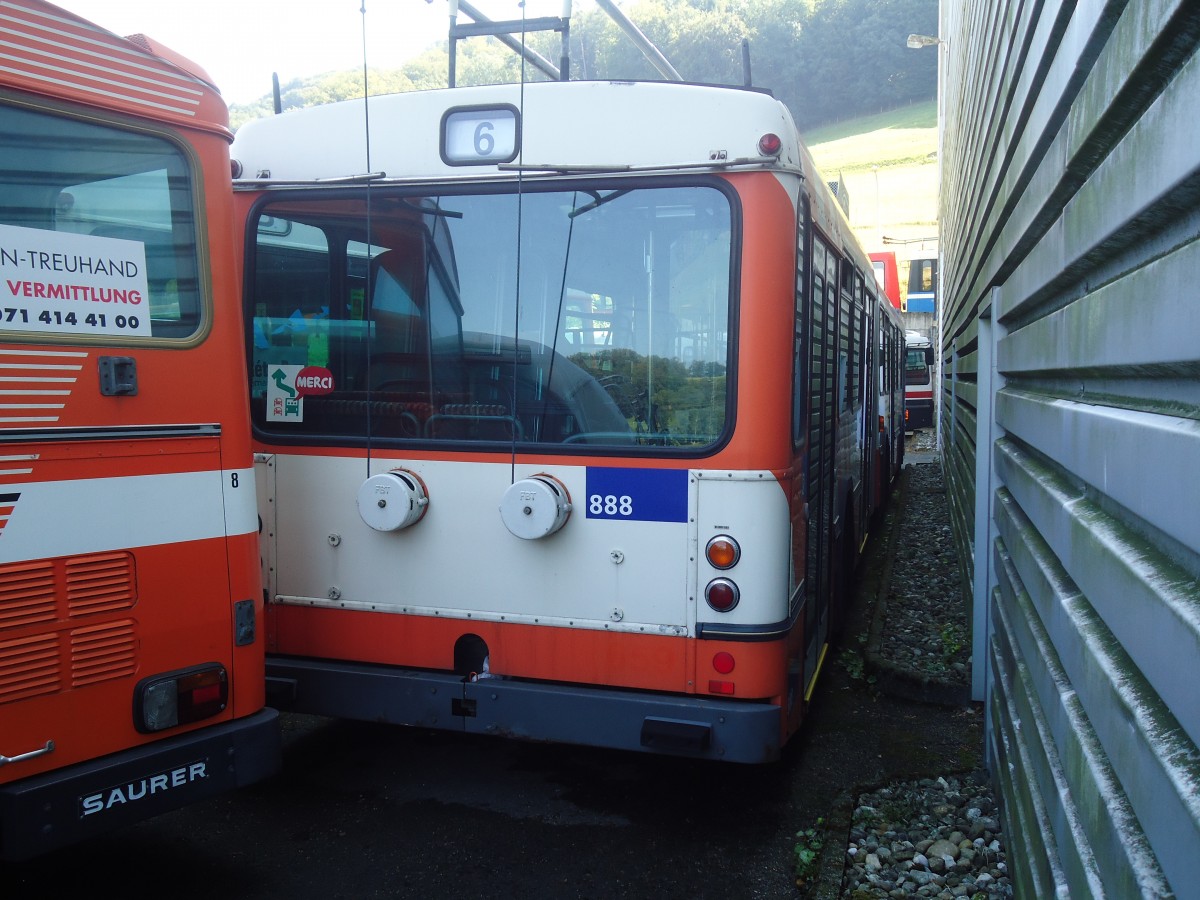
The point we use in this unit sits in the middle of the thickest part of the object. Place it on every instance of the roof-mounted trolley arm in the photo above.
(503, 32)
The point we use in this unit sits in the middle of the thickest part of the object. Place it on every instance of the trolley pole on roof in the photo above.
(503, 32)
(642, 42)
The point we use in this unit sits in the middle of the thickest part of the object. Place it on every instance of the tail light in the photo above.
(723, 664)
(177, 698)
(723, 552)
(722, 594)
(770, 144)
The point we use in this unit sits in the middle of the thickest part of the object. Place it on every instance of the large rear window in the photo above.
(426, 318)
(97, 231)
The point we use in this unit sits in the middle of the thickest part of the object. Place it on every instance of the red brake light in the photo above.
(176, 698)
(722, 594)
(723, 662)
(770, 145)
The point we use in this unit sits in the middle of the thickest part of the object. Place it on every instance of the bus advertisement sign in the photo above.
(56, 282)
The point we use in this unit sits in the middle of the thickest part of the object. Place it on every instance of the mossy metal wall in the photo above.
(1070, 424)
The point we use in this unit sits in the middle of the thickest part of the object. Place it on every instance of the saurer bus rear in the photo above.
(131, 659)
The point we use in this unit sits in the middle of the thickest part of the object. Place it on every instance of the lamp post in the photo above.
(917, 42)
(878, 219)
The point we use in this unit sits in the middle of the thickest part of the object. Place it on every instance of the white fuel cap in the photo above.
(392, 500)
(535, 507)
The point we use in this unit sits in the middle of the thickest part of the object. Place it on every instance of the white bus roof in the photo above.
(564, 126)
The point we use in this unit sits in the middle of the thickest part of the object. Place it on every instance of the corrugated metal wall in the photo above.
(1070, 425)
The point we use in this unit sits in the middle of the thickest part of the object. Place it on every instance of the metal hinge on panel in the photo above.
(243, 623)
(118, 376)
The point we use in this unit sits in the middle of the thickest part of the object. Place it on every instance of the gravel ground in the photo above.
(938, 836)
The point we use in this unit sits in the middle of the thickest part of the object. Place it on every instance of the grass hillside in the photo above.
(888, 162)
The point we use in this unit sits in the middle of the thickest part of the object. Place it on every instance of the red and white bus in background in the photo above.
(887, 275)
(918, 381)
(131, 651)
(566, 398)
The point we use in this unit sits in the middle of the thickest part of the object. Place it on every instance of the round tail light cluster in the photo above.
(722, 552)
(722, 594)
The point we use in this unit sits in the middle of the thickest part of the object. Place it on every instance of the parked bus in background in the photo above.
(922, 285)
(890, 386)
(918, 381)
(131, 658)
(888, 276)
(565, 402)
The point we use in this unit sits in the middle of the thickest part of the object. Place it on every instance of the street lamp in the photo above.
(917, 41)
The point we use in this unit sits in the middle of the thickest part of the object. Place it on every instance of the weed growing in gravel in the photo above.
(854, 662)
(809, 842)
(952, 640)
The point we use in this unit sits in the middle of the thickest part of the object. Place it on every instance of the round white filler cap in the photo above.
(535, 507)
(391, 501)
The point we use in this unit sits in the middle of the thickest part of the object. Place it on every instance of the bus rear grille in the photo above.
(100, 583)
(103, 652)
(47, 603)
(29, 667)
(26, 594)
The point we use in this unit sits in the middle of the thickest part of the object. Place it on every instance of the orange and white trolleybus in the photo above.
(131, 654)
(566, 406)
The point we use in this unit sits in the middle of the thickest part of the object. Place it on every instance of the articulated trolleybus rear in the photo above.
(131, 663)
(566, 411)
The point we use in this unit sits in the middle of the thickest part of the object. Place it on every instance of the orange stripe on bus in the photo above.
(545, 653)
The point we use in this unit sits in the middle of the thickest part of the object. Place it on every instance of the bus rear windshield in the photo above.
(98, 232)
(426, 318)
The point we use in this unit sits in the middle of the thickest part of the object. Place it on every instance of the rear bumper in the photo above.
(920, 414)
(746, 732)
(45, 812)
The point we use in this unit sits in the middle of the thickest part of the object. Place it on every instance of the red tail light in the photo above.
(722, 594)
(770, 145)
(723, 662)
(176, 698)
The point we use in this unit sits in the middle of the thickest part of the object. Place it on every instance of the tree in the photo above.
(825, 59)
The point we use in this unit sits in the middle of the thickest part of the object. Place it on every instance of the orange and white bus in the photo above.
(131, 650)
(565, 404)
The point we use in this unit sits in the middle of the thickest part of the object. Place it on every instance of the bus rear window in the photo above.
(617, 336)
(97, 231)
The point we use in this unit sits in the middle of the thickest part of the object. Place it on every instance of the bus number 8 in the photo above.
(610, 505)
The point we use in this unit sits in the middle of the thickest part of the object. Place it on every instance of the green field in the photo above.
(888, 162)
